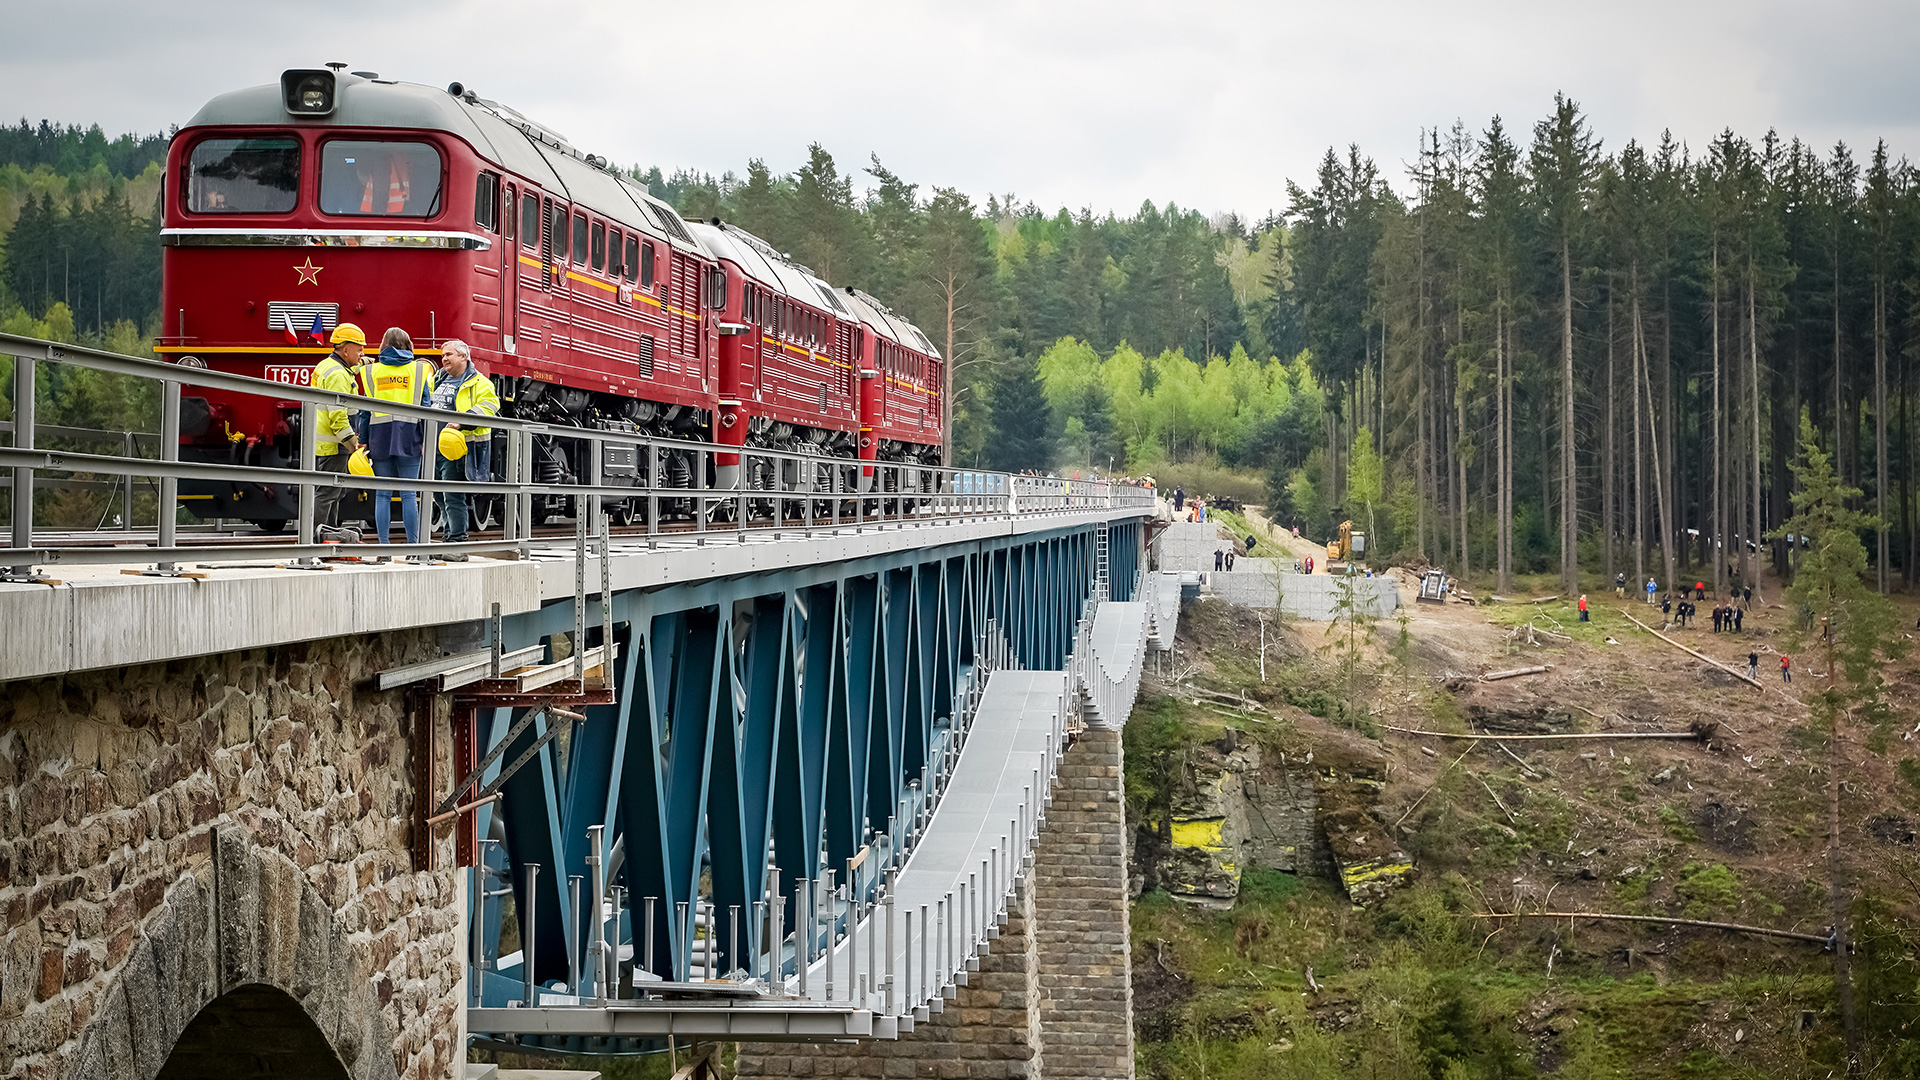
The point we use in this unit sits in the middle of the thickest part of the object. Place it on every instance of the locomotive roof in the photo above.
(769, 267)
(499, 133)
(889, 323)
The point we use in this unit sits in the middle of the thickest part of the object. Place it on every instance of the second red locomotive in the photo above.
(345, 197)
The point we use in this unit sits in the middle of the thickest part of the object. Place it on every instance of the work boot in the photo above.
(334, 534)
(454, 556)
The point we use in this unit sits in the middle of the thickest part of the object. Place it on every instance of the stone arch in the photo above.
(244, 928)
(252, 1032)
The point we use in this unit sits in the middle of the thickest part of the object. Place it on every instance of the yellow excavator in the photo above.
(1349, 547)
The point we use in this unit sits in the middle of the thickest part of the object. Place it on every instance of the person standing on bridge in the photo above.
(394, 442)
(462, 388)
(334, 437)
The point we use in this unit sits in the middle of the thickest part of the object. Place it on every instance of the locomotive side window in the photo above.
(243, 176)
(530, 221)
(557, 225)
(646, 266)
(613, 253)
(632, 261)
(486, 198)
(599, 246)
(385, 179)
(579, 238)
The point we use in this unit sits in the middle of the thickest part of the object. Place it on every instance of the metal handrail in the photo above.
(898, 493)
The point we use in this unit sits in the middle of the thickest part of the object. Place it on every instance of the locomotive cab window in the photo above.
(632, 261)
(384, 179)
(486, 197)
(613, 253)
(243, 176)
(646, 266)
(530, 221)
(599, 246)
(579, 238)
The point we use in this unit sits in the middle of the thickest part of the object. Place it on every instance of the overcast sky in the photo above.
(1089, 103)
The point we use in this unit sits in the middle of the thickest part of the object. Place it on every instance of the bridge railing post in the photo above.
(646, 948)
(169, 507)
(23, 435)
(573, 934)
(616, 894)
(832, 919)
(308, 458)
(853, 935)
(893, 882)
(802, 933)
(530, 936)
(597, 944)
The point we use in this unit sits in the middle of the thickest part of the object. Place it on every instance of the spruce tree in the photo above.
(1855, 631)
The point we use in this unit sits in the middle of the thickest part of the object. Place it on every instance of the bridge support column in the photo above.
(1081, 925)
(1053, 999)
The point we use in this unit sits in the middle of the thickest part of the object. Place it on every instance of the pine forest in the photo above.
(1523, 350)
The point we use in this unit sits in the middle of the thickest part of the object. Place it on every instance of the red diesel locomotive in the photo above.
(345, 197)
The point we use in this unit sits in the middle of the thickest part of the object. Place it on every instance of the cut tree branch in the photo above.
(1737, 927)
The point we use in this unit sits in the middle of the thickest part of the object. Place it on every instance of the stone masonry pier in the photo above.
(206, 869)
(1053, 997)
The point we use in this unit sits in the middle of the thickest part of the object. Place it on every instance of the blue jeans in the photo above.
(475, 468)
(403, 468)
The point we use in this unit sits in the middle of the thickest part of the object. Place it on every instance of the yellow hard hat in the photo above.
(453, 445)
(360, 464)
(346, 332)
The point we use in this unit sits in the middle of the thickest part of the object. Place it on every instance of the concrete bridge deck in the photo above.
(95, 615)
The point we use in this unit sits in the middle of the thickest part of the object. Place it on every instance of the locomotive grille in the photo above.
(302, 313)
(823, 397)
(646, 356)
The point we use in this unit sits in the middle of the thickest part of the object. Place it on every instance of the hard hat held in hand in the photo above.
(453, 445)
(360, 464)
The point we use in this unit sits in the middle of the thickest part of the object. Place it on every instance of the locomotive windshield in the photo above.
(243, 176)
(384, 179)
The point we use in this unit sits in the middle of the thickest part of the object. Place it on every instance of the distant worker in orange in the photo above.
(1583, 607)
(1786, 668)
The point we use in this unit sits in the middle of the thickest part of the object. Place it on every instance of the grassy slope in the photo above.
(1418, 988)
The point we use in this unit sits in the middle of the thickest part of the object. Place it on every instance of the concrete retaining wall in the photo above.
(1303, 596)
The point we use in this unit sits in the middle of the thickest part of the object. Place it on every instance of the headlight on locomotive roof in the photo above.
(308, 92)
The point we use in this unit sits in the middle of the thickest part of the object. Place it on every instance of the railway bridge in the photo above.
(829, 769)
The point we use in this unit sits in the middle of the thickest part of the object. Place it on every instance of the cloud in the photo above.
(1068, 103)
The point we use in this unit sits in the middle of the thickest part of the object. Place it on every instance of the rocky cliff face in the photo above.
(1247, 805)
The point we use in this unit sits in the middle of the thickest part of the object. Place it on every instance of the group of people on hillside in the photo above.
(394, 445)
(1194, 509)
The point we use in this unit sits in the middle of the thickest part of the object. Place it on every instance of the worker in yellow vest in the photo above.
(463, 388)
(395, 442)
(334, 437)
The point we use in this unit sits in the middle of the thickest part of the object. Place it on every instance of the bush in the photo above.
(1707, 888)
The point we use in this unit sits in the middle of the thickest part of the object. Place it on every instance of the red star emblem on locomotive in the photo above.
(309, 273)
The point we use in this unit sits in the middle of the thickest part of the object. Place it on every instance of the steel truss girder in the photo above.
(775, 719)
